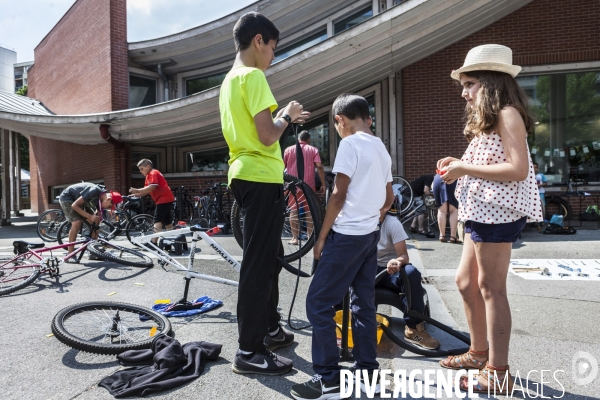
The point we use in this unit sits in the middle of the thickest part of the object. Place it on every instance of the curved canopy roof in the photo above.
(353, 59)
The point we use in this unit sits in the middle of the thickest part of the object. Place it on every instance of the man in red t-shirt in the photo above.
(311, 159)
(156, 186)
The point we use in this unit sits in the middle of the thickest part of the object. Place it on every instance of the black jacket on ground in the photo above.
(166, 365)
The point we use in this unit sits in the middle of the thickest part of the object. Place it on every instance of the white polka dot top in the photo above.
(494, 202)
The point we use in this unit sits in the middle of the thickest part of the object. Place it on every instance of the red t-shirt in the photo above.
(162, 194)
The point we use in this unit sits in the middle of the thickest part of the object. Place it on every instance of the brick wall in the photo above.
(82, 59)
(51, 165)
(542, 32)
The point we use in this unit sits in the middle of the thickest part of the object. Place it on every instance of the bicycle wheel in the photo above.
(48, 223)
(17, 273)
(557, 205)
(140, 225)
(120, 255)
(63, 232)
(213, 215)
(117, 219)
(105, 327)
(303, 217)
(404, 194)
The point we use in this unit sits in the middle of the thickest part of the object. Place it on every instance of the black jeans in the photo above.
(258, 291)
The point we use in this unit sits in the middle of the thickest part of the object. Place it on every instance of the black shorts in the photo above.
(495, 233)
(162, 213)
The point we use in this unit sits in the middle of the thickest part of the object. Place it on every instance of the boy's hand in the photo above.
(133, 191)
(318, 249)
(94, 220)
(294, 110)
(393, 266)
(302, 118)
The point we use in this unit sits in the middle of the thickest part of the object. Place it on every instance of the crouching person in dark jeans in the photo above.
(393, 255)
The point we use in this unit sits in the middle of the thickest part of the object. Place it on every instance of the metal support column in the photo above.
(15, 174)
(4, 143)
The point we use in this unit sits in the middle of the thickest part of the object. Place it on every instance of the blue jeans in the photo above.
(395, 283)
(346, 262)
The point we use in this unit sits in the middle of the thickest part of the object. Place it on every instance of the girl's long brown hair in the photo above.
(497, 91)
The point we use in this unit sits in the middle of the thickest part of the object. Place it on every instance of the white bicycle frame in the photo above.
(196, 237)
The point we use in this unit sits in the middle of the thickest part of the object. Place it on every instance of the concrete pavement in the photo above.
(552, 321)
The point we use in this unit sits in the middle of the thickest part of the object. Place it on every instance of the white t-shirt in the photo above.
(364, 159)
(392, 232)
(541, 178)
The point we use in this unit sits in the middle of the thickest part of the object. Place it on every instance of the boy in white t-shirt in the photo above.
(347, 249)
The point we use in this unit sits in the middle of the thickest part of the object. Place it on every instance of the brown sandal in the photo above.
(489, 381)
(466, 360)
(454, 240)
(443, 239)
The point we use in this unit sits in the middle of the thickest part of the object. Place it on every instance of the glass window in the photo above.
(566, 140)
(136, 157)
(208, 160)
(399, 1)
(319, 137)
(198, 85)
(142, 91)
(301, 45)
(352, 20)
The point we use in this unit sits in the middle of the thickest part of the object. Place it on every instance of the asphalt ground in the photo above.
(552, 322)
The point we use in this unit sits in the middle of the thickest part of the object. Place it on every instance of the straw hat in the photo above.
(489, 57)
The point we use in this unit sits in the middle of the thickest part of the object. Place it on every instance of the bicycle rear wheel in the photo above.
(140, 225)
(106, 327)
(17, 273)
(48, 223)
(120, 255)
(63, 232)
(404, 194)
(303, 219)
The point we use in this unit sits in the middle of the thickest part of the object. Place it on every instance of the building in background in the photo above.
(21, 74)
(117, 102)
(8, 57)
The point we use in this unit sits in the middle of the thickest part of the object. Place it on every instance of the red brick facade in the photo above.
(81, 66)
(542, 32)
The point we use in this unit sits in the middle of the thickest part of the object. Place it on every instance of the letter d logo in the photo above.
(585, 368)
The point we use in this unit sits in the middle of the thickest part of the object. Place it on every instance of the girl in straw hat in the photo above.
(497, 195)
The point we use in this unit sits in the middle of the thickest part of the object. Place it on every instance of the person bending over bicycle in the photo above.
(156, 186)
(85, 201)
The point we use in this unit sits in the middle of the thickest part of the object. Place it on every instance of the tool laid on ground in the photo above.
(532, 269)
(546, 272)
(583, 275)
(569, 268)
(561, 275)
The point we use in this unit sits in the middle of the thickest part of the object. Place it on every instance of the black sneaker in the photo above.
(316, 389)
(263, 362)
(282, 339)
(363, 387)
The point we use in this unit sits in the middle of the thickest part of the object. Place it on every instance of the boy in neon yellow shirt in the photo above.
(256, 180)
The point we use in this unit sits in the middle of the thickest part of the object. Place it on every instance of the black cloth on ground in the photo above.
(167, 365)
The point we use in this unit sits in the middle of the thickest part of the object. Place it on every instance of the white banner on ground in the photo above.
(556, 269)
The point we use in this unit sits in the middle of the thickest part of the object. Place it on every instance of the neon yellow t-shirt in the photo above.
(244, 93)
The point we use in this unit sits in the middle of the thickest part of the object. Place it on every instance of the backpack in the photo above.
(174, 244)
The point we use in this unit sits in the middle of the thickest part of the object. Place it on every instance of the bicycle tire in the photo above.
(48, 223)
(212, 214)
(406, 193)
(103, 329)
(11, 277)
(315, 213)
(119, 219)
(564, 208)
(120, 255)
(140, 225)
(65, 227)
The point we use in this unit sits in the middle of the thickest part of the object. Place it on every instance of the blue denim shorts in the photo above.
(495, 233)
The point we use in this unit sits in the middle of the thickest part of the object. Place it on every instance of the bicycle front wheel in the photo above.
(17, 273)
(106, 327)
(140, 225)
(403, 193)
(120, 255)
(303, 219)
(48, 223)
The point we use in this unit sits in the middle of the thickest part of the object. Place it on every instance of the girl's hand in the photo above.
(443, 163)
(454, 170)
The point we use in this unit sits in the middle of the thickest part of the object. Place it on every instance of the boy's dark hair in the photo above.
(534, 163)
(352, 106)
(250, 25)
(304, 136)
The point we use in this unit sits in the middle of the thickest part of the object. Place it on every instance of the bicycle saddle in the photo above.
(198, 228)
(21, 246)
